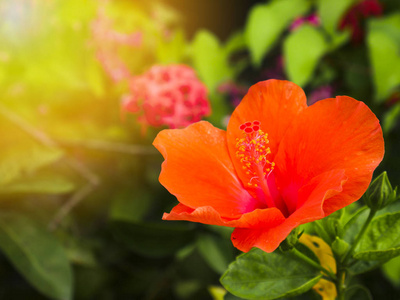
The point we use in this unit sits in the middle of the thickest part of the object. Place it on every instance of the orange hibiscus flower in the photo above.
(279, 164)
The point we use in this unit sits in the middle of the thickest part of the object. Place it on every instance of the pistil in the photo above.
(253, 152)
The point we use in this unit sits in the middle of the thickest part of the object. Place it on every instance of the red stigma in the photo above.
(249, 127)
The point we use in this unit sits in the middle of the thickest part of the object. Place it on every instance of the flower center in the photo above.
(253, 151)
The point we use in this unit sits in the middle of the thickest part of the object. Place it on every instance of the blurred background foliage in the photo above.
(81, 206)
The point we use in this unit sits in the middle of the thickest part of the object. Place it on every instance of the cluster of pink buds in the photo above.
(169, 96)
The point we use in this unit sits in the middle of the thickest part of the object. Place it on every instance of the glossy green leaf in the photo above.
(383, 41)
(363, 266)
(210, 60)
(303, 49)
(216, 251)
(261, 275)
(37, 255)
(379, 255)
(350, 232)
(266, 22)
(381, 241)
(354, 225)
(152, 239)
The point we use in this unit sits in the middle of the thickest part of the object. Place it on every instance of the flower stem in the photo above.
(340, 284)
(313, 263)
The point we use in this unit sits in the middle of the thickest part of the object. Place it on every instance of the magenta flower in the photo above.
(322, 92)
(312, 20)
(355, 15)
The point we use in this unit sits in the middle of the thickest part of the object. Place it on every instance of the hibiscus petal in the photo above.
(275, 103)
(269, 237)
(208, 215)
(198, 170)
(339, 133)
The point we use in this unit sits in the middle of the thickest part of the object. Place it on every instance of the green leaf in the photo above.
(261, 275)
(381, 241)
(391, 118)
(236, 42)
(354, 225)
(330, 227)
(173, 50)
(363, 266)
(40, 182)
(391, 269)
(229, 296)
(303, 49)
(185, 289)
(37, 255)
(217, 252)
(152, 239)
(266, 22)
(358, 292)
(210, 60)
(339, 39)
(131, 205)
(220, 110)
(351, 230)
(223, 231)
(383, 41)
(331, 12)
(24, 159)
